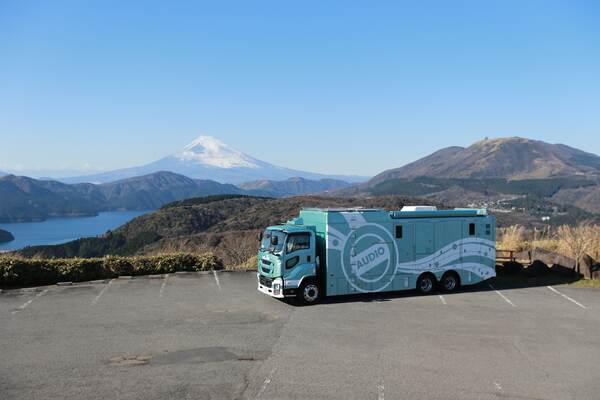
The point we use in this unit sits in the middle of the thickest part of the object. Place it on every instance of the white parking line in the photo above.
(24, 306)
(442, 299)
(567, 297)
(503, 296)
(162, 287)
(217, 279)
(104, 289)
(381, 391)
(265, 383)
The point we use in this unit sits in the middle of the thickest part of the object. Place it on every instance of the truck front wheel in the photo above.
(426, 283)
(309, 293)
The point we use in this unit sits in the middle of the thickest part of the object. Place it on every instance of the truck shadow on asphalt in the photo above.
(506, 282)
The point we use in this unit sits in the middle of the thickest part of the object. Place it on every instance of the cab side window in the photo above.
(297, 241)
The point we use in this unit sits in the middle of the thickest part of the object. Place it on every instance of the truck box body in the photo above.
(373, 250)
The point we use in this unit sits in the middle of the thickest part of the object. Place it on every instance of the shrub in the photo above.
(251, 263)
(512, 238)
(18, 272)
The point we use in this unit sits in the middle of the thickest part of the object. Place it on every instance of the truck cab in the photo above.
(287, 262)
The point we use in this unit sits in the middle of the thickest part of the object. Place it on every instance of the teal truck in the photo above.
(331, 252)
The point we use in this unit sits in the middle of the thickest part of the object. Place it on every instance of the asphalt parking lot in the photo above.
(213, 336)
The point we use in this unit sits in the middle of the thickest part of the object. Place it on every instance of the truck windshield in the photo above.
(268, 240)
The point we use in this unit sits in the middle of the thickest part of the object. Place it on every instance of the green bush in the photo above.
(20, 272)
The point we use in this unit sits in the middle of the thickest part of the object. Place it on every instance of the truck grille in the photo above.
(266, 270)
(268, 282)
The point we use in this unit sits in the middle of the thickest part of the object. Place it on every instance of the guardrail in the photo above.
(503, 256)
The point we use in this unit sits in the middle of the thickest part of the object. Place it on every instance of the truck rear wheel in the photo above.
(450, 281)
(309, 293)
(426, 284)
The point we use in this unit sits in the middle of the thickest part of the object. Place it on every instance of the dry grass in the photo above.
(251, 263)
(512, 238)
(569, 241)
(586, 283)
(549, 244)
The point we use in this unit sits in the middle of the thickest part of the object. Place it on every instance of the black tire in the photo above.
(426, 284)
(450, 282)
(309, 292)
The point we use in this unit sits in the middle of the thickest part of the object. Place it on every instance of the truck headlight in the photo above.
(277, 288)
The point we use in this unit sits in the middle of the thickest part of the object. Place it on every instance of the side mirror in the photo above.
(260, 236)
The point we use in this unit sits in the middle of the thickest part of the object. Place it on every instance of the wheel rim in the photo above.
(310, 292)
(426, 285)
(449, 283)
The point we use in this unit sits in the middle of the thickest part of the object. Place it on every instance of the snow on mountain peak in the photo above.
(211, 151)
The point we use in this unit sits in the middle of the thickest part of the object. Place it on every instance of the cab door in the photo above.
(299, 257)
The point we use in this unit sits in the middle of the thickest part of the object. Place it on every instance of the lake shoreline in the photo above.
(59, 230)
(66, 216)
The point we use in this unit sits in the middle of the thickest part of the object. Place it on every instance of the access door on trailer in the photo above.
(423, 239)
(405, 240)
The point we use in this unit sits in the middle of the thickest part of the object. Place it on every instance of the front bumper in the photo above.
(274, 288)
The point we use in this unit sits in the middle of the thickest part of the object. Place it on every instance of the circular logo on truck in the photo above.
(369, 258)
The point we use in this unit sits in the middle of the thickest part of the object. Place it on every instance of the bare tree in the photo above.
(578, 241)
(238, 248)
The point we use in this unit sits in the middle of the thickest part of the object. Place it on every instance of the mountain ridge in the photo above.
(512, 158)
(293, 186)
(27, 199)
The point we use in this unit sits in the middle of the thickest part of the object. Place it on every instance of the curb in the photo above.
(38, 288)
(31, 289)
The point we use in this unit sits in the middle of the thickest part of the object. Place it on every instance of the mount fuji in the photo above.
(209, 158)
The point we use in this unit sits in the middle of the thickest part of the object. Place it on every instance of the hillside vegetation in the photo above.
(225, 225)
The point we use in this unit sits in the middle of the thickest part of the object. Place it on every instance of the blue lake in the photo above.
(61, 230)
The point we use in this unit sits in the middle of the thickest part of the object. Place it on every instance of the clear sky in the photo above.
(334, 87)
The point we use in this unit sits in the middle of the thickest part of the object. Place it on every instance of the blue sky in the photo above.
(334, 87)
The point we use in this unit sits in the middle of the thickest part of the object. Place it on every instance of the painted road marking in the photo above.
(442, 299)
(567, 297)
(381, 391)
(162, 287)
(24, 306)
(503, 296)
(104, 289)
(266, 383)
(217, 279)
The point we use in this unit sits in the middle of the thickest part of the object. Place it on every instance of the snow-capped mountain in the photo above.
(207, 150)
(209, 158)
